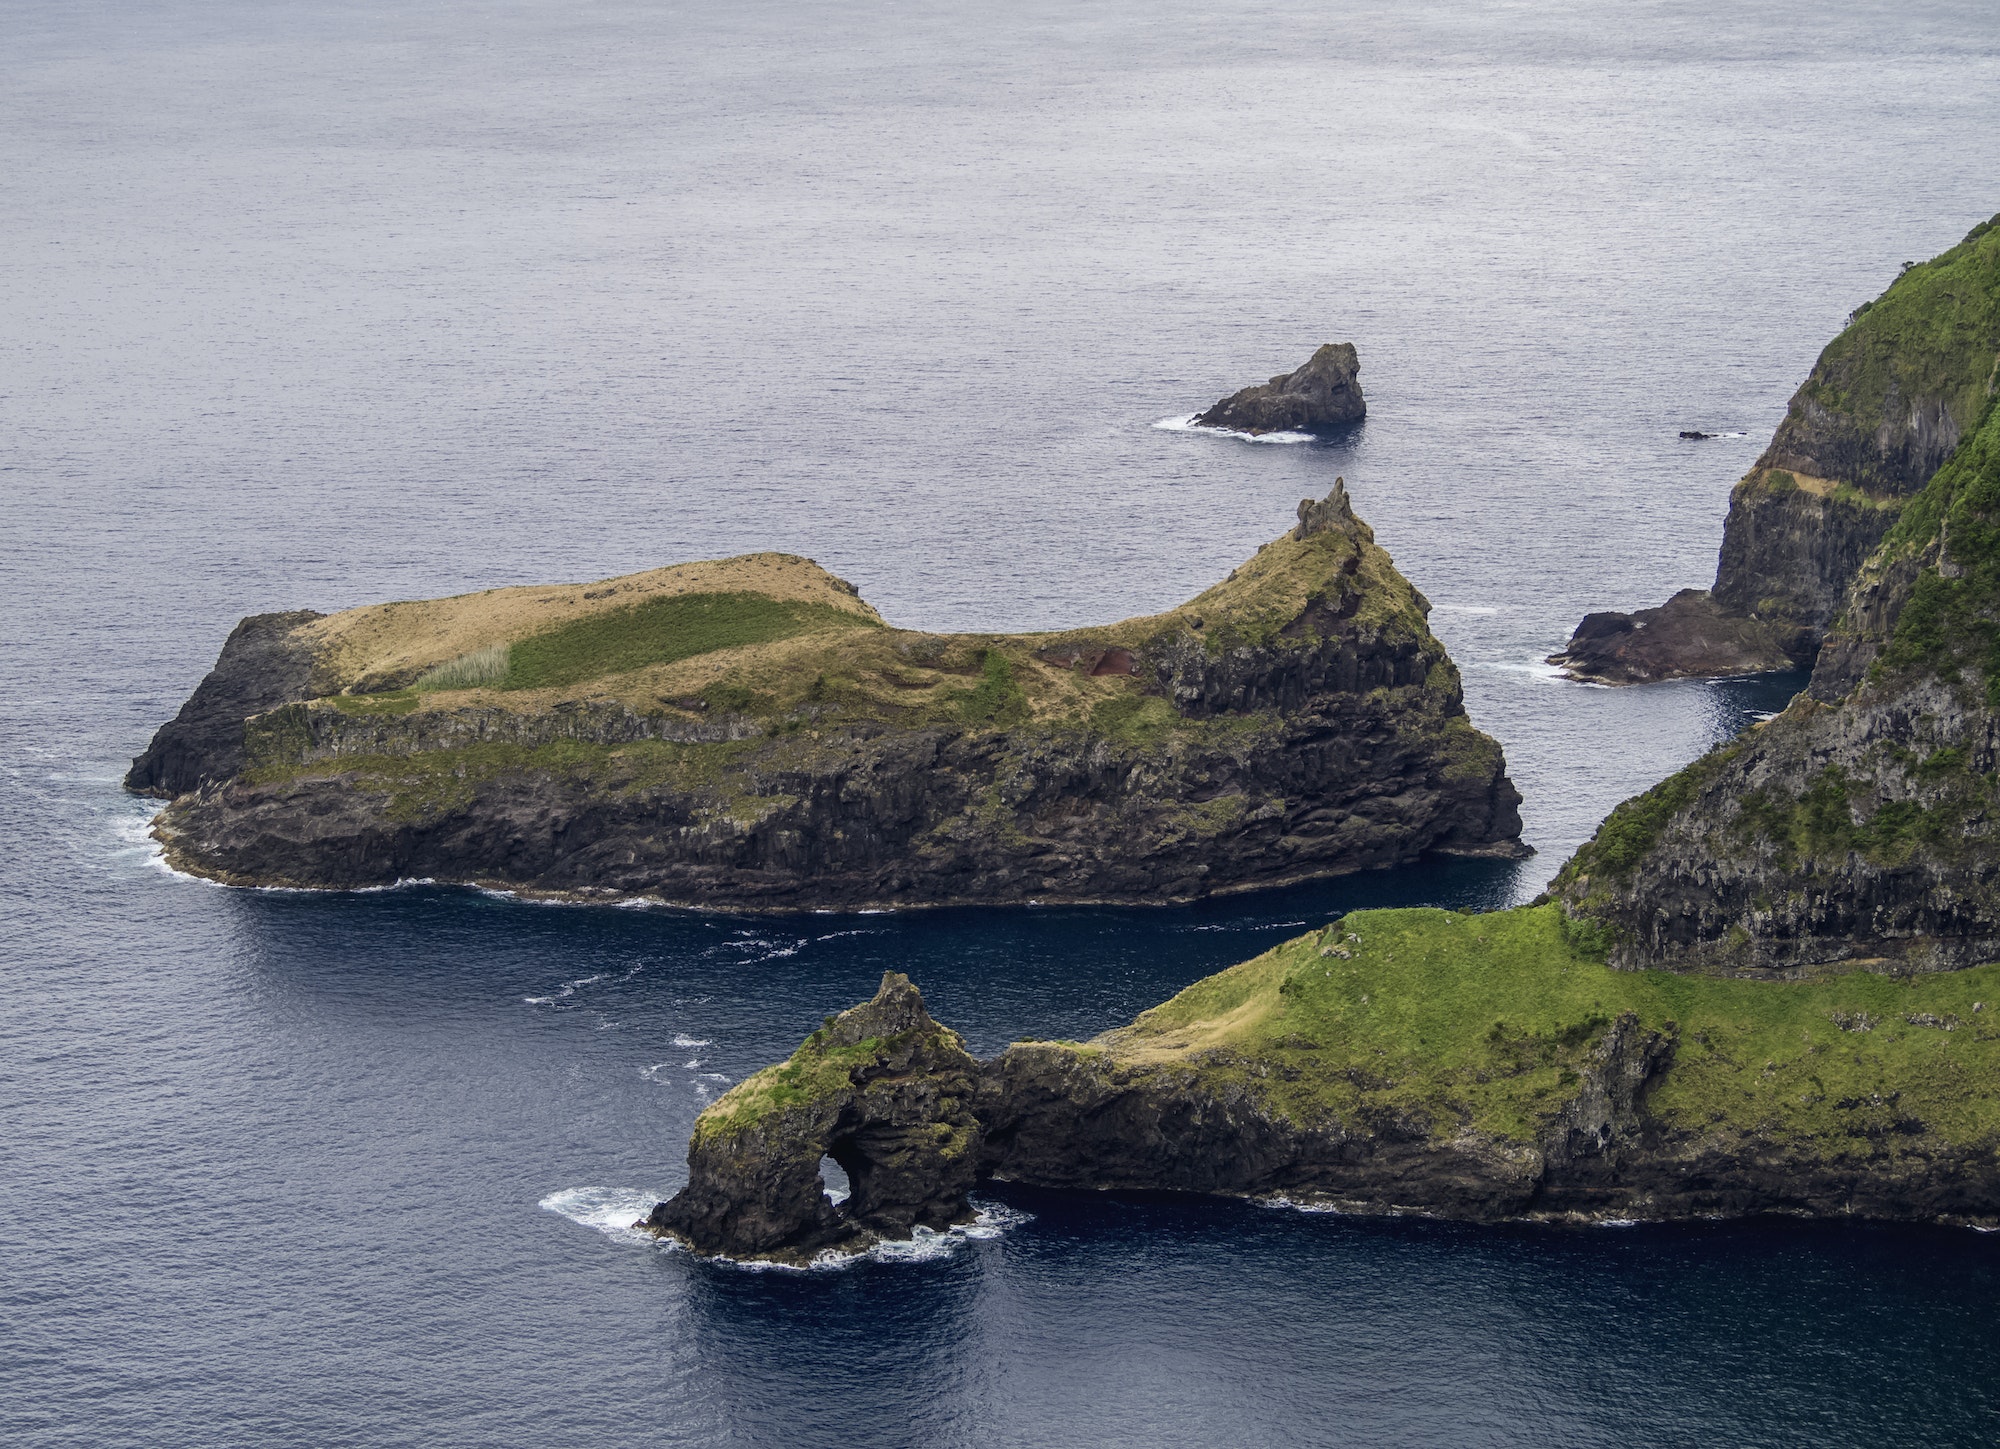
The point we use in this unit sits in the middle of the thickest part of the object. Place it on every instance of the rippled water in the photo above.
(321, 304)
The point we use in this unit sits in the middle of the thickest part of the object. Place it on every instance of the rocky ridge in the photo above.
(1858, 828)
(750, 734)
(1481, 1068)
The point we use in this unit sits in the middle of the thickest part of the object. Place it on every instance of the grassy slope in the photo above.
(1934, 333)
(814, 658)
(1485, 1021)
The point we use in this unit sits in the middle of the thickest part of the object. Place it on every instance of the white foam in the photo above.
(1618, 1222)
(1462, 609)
(1189, 425)
(610, 1210)
(683, 1040)
(1539, 669)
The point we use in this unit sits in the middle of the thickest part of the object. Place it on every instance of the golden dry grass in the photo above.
(383, 639)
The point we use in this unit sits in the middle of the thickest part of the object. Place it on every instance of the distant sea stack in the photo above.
(748, 733)
(1888, 401)
(1323, 396)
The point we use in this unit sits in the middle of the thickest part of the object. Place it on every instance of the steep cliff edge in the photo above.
(1861, 827)
(749, 733)
(1888, 401)
(1472, 1066)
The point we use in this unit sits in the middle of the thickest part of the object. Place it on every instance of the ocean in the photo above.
(320, 304)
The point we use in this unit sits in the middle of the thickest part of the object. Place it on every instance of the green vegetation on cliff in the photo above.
(1444, 1023)
(1934, 335)
(1950, 627)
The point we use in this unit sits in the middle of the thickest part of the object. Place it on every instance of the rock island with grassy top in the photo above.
(748, 732)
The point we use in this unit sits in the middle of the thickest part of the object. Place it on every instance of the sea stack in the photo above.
(1324, 396)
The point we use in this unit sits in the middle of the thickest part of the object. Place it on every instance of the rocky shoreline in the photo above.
(917, 1124)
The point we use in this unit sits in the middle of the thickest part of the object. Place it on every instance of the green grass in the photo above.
(663, 631)
(1951, 625)
(1933, 333)
(1489, 1021)
(997, 699)
(468, 671)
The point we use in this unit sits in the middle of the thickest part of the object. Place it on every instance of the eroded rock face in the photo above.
(885, 1092)
(263, 664)
(1323, 396)
(1859, 826)
(1108, 1115)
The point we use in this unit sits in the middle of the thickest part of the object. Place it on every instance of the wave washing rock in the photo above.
(748, 733)
(1861, 827)
(1886, 404)
(1323, 396)
(1480, 1067)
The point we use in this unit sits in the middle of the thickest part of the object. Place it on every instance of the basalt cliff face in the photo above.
(1888, 401)
(1323, 396)
(1474, 1067)
(748, 733)
(1861, 827)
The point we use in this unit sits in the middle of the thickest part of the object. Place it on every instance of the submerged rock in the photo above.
(750, 733)
(1323, 396)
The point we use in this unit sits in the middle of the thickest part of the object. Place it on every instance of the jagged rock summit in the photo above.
(749, 733)
(1323, 396)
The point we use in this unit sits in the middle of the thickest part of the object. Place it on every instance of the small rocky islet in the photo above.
(1766, 985)
(1321, 397)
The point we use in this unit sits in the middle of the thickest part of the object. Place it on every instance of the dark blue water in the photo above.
(317, 304)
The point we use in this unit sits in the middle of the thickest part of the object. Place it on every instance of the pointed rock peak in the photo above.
(1332, 512)
(898, 1007)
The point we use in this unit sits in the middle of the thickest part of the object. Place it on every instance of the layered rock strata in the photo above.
(750, 734)
(1887, 402)
(1323, 396)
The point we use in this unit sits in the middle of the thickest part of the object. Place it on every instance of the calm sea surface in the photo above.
(315, 304)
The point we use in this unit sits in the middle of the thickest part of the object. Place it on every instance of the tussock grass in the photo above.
(471, 670)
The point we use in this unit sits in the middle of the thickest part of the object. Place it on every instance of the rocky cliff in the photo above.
(1478, 1067)
(1858, 828)
(1886, 404)
(1323, 396)
(749, 733)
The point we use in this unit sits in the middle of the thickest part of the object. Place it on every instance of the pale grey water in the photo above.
(321, 304)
